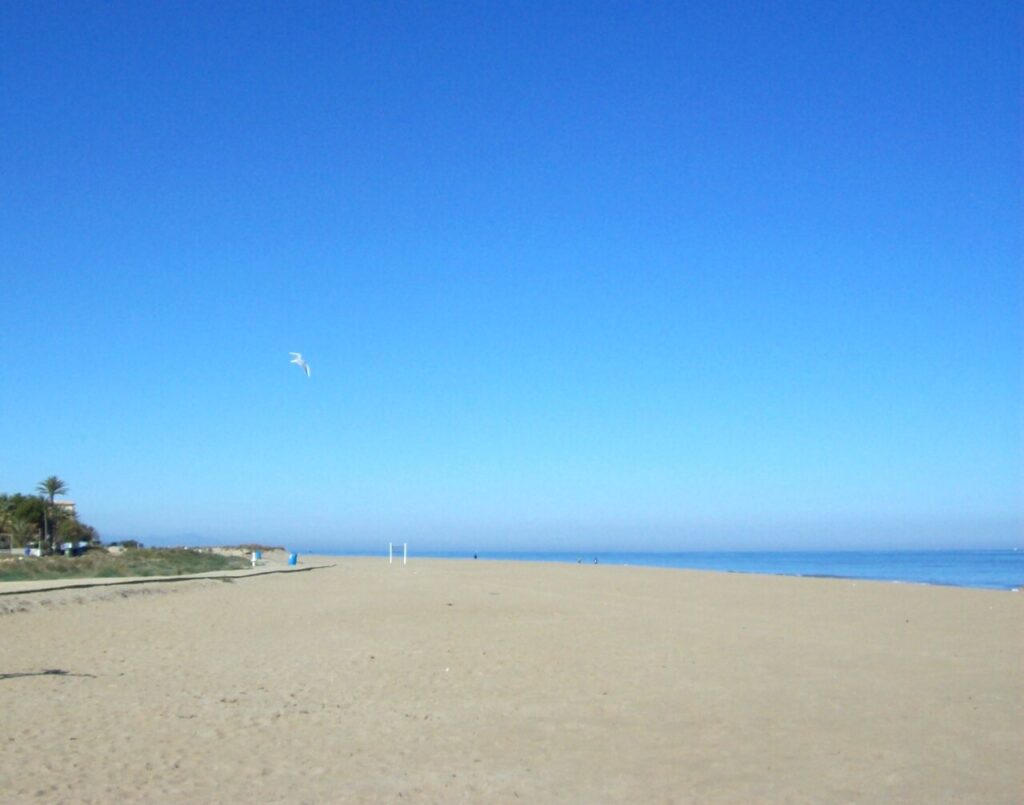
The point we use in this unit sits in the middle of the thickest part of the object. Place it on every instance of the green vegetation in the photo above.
(37, 521)
(50, 487)
(98, 563)
(47, 489)
(22, 532)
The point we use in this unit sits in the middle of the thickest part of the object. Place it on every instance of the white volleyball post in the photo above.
(391, 552)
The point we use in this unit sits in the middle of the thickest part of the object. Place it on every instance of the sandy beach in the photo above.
(479, 681)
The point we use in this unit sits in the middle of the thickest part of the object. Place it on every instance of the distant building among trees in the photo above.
(39, 521)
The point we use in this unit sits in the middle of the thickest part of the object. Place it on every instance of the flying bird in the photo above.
(299, 361)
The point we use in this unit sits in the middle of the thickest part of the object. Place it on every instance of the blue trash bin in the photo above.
(293, 558)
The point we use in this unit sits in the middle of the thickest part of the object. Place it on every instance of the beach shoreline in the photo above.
(497, 681)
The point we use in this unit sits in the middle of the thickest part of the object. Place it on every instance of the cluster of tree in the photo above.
(36, 521)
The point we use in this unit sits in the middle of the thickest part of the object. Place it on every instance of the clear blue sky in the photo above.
(594, 275)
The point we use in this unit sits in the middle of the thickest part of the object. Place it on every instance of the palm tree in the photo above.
(52, 486)
(6, 519)
(49, 488)
(23, 532)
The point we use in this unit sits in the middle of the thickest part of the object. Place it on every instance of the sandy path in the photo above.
(482, 681)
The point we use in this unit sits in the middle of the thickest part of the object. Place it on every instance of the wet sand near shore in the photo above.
(449, 680)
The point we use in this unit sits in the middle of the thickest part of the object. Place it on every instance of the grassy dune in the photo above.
(100, 564)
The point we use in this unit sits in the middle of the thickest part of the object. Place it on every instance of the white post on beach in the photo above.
(391, 552)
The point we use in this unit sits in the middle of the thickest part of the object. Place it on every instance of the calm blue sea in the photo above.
(998, 570)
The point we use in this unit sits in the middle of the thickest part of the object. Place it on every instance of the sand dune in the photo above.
(497, 682)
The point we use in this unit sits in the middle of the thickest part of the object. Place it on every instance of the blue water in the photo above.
(996, 570)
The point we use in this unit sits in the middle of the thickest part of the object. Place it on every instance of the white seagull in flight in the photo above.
(299, 361)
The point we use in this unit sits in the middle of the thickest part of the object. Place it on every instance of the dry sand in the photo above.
(494, 682)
